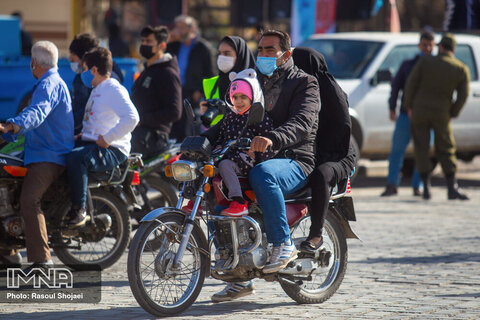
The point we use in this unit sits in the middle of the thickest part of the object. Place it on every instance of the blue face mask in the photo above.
(87, 78)
(267, 65)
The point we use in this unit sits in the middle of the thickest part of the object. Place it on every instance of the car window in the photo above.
(395, 58)
(464, 53)
(346, 59)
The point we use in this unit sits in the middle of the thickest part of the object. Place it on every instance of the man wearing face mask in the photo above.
(157, 93)
(47, 124)
(196, 62)
(292, 101)
(81, 44)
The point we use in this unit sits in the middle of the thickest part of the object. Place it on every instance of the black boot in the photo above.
(453, 191)
(390, 190)
(426, 185)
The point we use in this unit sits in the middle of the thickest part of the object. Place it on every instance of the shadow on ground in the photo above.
(375, 182)
(199, 308)
(449, 258)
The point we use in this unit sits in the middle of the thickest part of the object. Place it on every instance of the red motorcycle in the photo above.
(167, 279)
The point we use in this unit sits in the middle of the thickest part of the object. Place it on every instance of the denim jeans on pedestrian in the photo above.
(400, 140)
(271, 180)
(89, 157)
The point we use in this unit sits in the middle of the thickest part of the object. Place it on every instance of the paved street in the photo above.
(416, 260)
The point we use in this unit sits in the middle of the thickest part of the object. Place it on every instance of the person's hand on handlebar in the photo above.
(6, 127)
(260, 144)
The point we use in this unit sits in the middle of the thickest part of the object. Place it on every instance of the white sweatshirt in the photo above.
(110, 112)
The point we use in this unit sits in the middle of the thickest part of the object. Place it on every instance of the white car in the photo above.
(363, 64)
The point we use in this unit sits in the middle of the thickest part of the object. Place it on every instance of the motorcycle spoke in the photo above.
(169, 286)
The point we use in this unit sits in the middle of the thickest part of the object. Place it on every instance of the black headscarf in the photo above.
(245, 60)
(334, 124)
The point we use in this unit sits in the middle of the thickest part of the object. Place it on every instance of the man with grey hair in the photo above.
(195, 60)
(47, 124)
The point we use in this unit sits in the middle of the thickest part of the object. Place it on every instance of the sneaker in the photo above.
(390, 190)
(236, 209)
(11, 261)
(36, 267)
(281, 256)
(77, 218)
(234, 290)
(189, 207)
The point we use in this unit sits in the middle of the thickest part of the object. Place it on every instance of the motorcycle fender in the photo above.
(154, 214)
(343, 219)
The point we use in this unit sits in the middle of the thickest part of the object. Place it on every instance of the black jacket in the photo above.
(398, 83)
(157, 94)
(200, 65)
(292, 101)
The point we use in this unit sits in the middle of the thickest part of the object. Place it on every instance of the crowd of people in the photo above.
(304, 138)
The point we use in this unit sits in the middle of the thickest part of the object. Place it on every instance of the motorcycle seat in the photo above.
(111, 175)
(305, 192)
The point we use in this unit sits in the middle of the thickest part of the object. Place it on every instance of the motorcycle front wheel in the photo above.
(159, 288)
(326, 280)
(99, 244)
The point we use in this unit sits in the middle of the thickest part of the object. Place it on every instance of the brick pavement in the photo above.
(416, 260)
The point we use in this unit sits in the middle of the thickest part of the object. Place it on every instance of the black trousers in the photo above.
(324, 177)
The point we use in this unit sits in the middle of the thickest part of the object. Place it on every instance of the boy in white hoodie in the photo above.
(104, 142)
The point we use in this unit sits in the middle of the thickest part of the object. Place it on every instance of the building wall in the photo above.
(45, 19)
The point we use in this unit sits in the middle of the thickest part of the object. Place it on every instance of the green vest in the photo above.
(208, 87)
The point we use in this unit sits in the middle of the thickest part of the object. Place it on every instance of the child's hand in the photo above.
(251, 153)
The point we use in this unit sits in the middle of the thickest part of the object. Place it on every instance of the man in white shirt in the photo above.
(104, 142)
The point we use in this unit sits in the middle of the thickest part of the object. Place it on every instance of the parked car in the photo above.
(364, 64)
(16, 80)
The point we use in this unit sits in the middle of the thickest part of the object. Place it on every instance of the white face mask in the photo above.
(225, 63)
(74, 67)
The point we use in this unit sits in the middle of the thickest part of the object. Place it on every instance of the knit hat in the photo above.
(240, 86)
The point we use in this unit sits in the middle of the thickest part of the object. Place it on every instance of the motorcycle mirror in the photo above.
(256, 113)
(187, 106)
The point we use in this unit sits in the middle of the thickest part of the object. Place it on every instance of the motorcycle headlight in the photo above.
(184, 170)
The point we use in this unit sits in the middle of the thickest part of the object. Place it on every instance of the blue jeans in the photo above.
(400, 140)
(271, 180)
(89, 157)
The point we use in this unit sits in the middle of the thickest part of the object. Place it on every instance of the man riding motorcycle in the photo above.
(47, 124)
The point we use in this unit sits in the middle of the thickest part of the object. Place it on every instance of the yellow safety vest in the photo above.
(208, 86)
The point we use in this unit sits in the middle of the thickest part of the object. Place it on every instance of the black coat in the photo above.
(200, 65)
(157, 94)
(292, 101)
(334, 124)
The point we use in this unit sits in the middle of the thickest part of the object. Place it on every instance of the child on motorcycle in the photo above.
(244, 90)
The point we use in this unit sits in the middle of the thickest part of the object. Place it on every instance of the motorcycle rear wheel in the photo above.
(159, 289)
(323, 285)
(99, 253)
